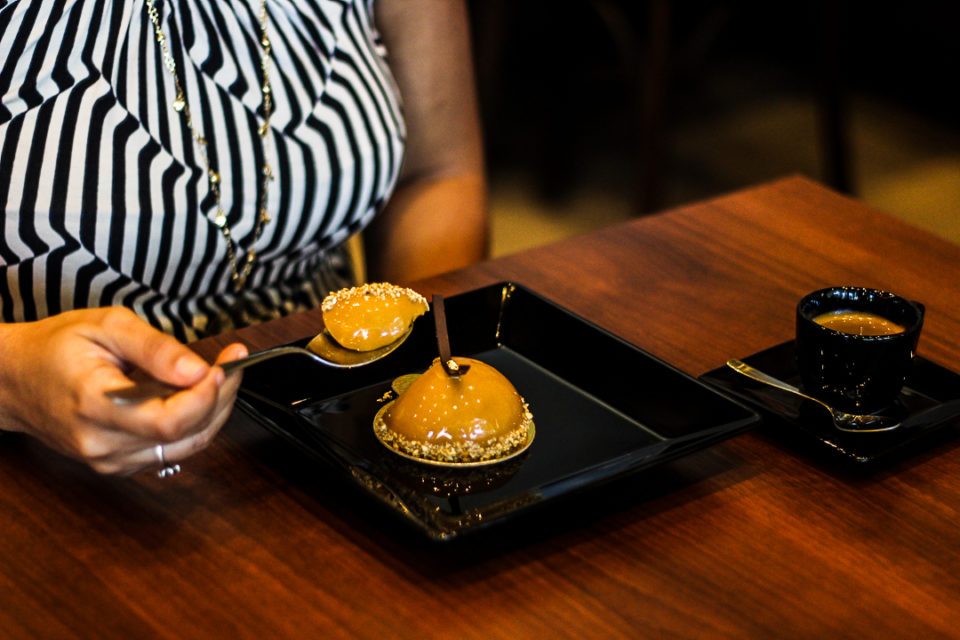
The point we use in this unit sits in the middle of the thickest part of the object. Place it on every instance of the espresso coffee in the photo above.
(855, 346)
(858, 323)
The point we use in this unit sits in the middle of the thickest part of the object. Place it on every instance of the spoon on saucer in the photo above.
(322, 348)
(843, 421)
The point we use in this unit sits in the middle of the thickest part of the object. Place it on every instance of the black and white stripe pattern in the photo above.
(104, 193)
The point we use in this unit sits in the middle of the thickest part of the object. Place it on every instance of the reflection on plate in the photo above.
(929, 400)
(453, 482)
(593, 424)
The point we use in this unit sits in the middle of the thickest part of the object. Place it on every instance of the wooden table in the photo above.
(749, 538)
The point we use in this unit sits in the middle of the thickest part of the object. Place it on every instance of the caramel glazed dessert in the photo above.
(370, 316)
(474, 417)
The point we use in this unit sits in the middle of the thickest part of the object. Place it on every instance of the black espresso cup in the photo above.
(845, 366)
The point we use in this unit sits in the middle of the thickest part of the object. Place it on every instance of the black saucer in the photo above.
(929, 400)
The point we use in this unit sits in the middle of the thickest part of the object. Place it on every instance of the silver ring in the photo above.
(166, 470)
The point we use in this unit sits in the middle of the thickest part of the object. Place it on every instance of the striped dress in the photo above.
(104, 192)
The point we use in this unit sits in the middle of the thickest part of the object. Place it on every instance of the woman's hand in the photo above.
(54, 372)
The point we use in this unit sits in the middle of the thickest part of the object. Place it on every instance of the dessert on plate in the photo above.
(465, 413)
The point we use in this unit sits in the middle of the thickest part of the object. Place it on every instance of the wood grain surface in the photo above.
(753, 537)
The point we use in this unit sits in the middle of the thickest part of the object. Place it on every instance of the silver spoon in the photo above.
(843, 421)
(322, 348)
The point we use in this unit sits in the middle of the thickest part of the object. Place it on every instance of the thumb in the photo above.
(142, 347)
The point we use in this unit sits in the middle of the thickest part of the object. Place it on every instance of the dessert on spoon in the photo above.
(362, 325)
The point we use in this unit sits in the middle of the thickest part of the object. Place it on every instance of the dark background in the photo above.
(591, 89)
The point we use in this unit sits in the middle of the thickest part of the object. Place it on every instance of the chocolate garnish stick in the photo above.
(452, 369)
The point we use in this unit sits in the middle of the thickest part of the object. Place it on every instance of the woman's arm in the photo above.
(437, 217)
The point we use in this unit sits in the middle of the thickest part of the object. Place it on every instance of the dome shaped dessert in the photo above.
(371, 316)
(475, 417)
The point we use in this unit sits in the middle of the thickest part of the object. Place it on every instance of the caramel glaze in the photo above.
(474, 417)
(371, 316)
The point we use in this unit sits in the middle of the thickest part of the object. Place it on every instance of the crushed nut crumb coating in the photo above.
(464, 451)
(380, 289)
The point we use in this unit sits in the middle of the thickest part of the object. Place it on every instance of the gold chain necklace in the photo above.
(240, 274)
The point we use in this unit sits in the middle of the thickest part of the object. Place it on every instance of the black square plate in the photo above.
(602, 408)
(930, 399)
